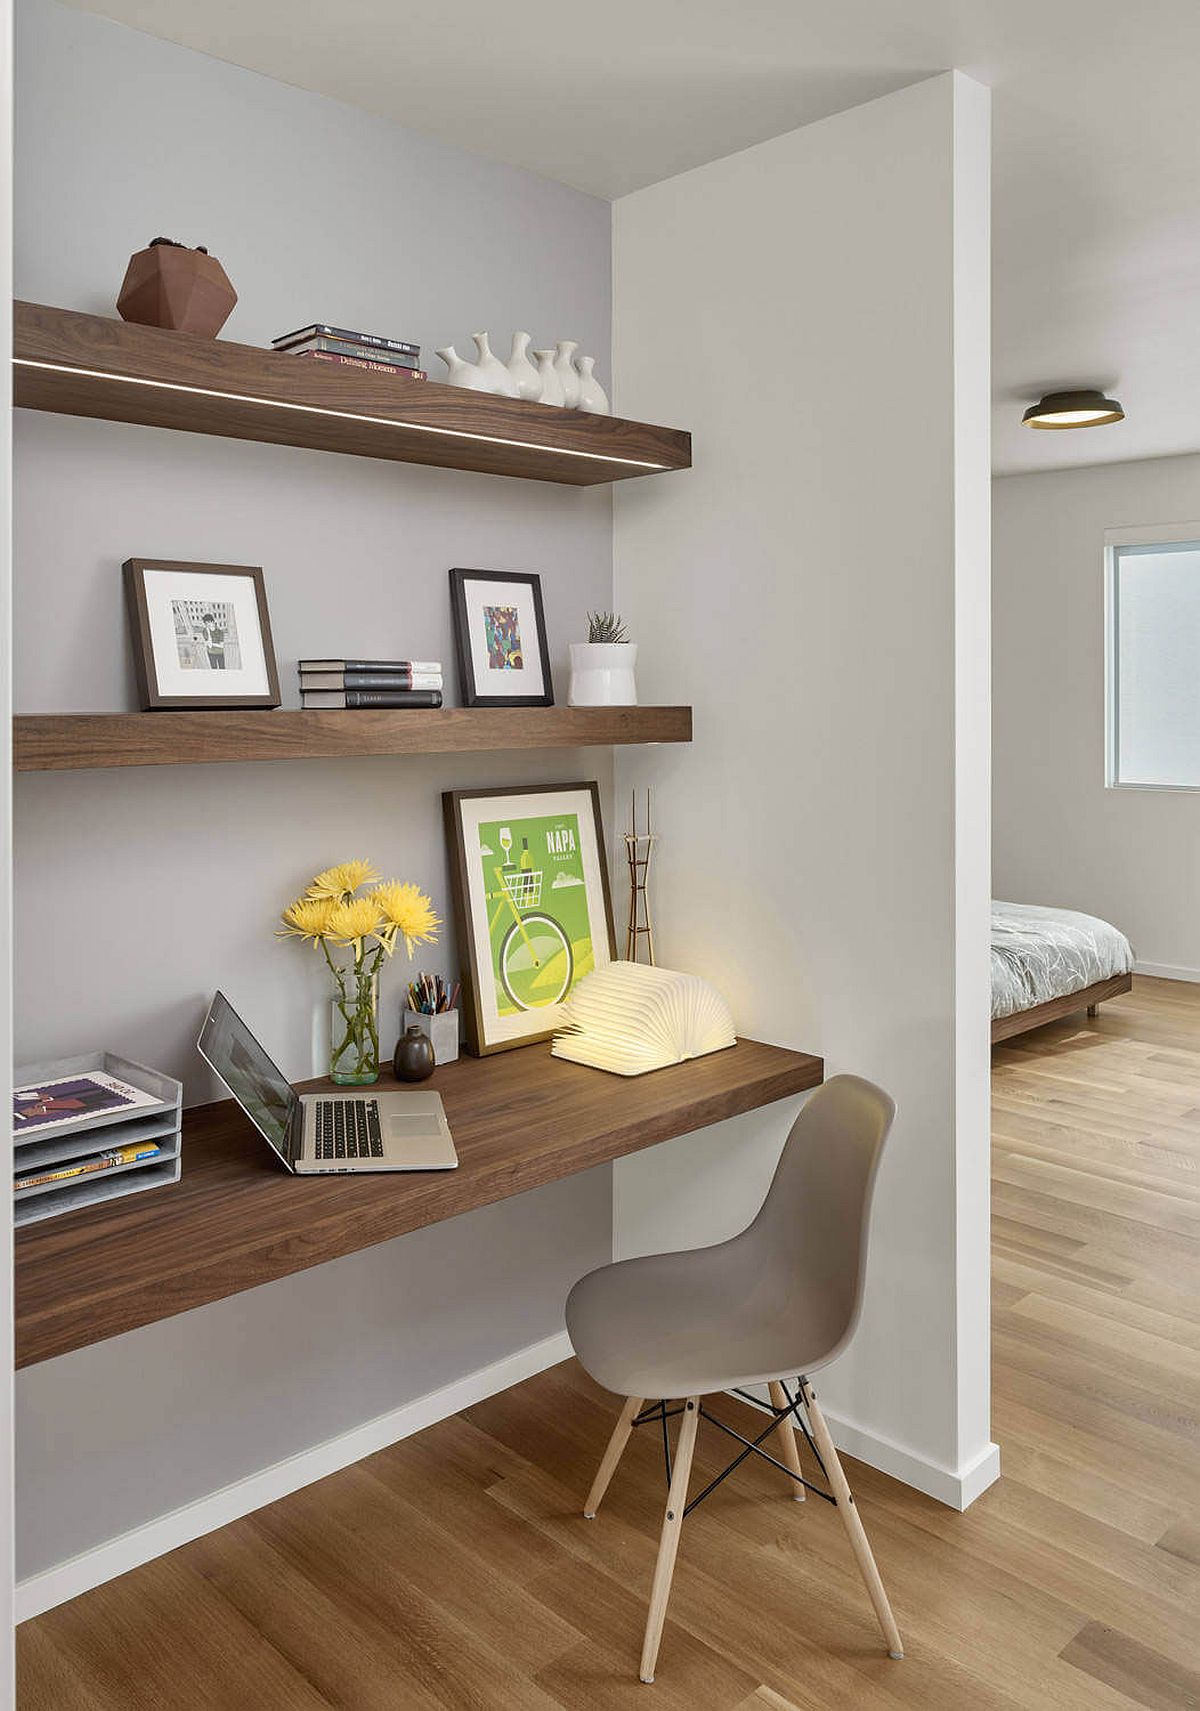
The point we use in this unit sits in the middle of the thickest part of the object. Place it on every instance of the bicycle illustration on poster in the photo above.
(532, 905)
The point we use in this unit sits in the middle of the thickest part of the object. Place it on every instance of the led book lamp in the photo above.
(629, 1017)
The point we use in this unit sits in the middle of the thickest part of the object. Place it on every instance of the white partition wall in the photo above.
(6, 1291)
(815, 309)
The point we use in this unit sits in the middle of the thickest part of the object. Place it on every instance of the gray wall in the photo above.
(1061, 837)
(138, 892)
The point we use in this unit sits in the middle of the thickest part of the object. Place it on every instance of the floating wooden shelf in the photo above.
(87, 365)
(237, 1219)
(62, 742)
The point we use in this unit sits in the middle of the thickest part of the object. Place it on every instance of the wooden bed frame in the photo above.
(1088, 997)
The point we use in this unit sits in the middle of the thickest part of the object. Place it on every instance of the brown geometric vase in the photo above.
(168, 285)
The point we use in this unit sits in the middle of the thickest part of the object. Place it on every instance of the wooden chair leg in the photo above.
(852, 1522)
(1093, 1010)
(668, 1543)
(789, 1450)
(612, 1455)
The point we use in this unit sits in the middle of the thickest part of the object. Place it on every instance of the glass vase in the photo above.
(354, 1028)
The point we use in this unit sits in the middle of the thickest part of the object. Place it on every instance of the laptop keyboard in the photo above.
(347, 1128)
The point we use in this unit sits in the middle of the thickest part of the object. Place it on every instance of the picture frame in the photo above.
(201, 634)
(532, 907)
(500, 638)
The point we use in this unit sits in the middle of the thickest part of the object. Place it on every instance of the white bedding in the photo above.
(1039, 954)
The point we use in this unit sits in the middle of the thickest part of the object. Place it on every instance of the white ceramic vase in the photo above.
(522, 372)
(552, 392)
(568, 374)
(592, 396)
(462, 373)
(496, 377)
(602, 674)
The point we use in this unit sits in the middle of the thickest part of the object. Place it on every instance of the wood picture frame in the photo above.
(531, 922)
(181, 630)
(486, 645)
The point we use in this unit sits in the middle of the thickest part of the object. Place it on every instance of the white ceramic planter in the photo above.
(602, 674)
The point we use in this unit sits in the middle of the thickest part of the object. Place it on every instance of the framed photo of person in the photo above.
(201, 634)
(500, 635)
(531, 905)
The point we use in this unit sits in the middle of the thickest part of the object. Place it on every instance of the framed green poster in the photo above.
(531, 905)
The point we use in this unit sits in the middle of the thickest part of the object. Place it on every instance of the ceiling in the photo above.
(1096, 202)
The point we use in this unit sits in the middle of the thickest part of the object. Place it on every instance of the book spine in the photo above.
(323, 331)
(401, 667)
(342, 347)
(373, 680)
(392, 698)
(365, 362)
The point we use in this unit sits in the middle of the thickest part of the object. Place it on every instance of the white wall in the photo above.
(815, 309)
(7, 1688)
(1060, 837)
(139, 892)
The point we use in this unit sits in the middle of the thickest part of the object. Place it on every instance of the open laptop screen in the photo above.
(255, 1082)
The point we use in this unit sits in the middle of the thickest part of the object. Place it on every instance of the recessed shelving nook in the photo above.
(90, 365)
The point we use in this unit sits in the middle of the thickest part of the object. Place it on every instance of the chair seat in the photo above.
(688, 1324)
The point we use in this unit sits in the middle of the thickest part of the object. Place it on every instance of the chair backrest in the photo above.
(810, 1235)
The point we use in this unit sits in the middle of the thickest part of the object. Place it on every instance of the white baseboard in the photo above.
(957, 1488)
(1167, 971)
(116, 1556)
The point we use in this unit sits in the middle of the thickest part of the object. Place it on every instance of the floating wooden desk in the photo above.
(237, 1219)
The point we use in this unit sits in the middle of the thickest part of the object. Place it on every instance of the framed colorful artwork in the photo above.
(500, 634)
(531, 905)
(201, 634)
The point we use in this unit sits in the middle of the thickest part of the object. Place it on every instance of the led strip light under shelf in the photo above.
(339, 415)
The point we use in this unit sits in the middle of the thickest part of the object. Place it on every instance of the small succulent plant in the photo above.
(606, 627)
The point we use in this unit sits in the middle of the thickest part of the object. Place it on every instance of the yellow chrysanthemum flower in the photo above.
(307, 918)
(353, 921)
(338, 882)
(405, 910)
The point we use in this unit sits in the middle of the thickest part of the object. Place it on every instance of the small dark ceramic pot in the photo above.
(414, 1059)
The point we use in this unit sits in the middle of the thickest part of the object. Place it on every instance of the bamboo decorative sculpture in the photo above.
(639, 849)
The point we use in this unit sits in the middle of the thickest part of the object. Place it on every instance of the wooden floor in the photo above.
(454, 1570)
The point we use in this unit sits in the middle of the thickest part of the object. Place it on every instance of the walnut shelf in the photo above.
(237, 1219)
(88, 365)
(60, 742)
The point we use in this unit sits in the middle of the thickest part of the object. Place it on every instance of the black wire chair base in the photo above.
(660, 1413)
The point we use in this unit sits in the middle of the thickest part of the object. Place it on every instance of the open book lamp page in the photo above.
(629, 1017)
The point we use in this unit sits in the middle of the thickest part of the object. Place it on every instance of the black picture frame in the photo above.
(486, 1033)
(146, 664)
(469, 688)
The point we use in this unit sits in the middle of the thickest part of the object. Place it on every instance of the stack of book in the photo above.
(335, 683)
(91, 1128)
(338, 345)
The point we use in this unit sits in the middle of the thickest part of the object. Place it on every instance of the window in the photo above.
(1154, 658)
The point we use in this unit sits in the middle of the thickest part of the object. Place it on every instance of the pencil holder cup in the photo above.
(441, 1031)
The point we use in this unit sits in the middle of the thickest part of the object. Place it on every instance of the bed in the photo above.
(1048, 963)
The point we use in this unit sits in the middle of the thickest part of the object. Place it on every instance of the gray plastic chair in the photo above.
(777, 1301)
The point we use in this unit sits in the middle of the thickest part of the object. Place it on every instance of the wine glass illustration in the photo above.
(506, 843)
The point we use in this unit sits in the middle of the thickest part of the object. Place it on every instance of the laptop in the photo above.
(324, 1133)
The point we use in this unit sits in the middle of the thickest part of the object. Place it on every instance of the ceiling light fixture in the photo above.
(1087, 408)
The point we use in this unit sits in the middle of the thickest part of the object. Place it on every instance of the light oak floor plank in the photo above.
(454, 1571)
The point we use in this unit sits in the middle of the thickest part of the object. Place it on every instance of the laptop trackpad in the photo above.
(424, 1127)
